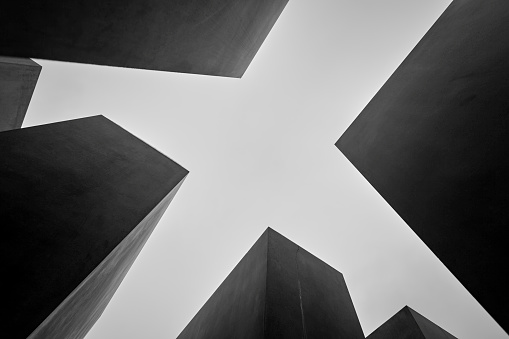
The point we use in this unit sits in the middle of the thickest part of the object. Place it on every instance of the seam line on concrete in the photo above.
(300, 294)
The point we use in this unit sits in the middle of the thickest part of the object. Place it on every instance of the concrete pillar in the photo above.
(218, 37)
(79, 199)
(278, 290)
(434, 142)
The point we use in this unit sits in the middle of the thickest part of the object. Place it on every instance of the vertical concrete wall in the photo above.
(433, 142)
(278, 290)
(408, 324)
(73, 193)
(76, 315)
(237, 307)
(306, 298)
(218, 37)
(18, 77)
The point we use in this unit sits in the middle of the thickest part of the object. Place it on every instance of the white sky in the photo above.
(261, 153)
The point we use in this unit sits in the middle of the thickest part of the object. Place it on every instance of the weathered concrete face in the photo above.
(218, 37)
(18, 77)
(433, 142)
(278, 290)
(408, 324)
(79, 199)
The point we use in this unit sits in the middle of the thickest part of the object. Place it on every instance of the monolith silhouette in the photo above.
(78, 201)
(278, 290)
(433, 142)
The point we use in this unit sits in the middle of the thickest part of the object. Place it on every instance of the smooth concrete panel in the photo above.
(433, 142)
(78, 198)
(408, 324)
(237, 307)
(306, 298)
(278, 290)
(327, 307)
(76, 315)
(18, 77)
(218, 37)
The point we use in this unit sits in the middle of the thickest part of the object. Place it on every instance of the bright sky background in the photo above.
(261, 153)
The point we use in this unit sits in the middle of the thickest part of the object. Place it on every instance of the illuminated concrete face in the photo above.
(278, 290)
(433, 142)
(218, 37)
(408, 324)
(18, 77)
(79, 199)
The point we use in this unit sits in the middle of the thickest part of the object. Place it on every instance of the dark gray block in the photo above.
(18, 77)
(278, 290)
(408, 324)
(218, 37)
(434, 142)
(78, 201)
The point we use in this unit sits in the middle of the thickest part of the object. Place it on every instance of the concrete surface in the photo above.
(78, 200)
(76, 315)
(218, 37)
(278, 290)
(18, 77)
(236, 309)
(433, 142)
(408, 324)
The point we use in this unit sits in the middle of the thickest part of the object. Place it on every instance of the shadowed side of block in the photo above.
(219, 37)
(71, 193)
(18, 77)
(433, 142)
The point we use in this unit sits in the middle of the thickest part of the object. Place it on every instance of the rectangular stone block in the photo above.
(18, 77)
(434, 143)
(278, 290)
(78, 200)
(408, 324)
(219, 37)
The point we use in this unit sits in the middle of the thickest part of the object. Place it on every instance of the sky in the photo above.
(260, 151)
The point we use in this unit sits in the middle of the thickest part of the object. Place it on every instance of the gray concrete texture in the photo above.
(219, 37)
(18, 77)
(79, 199)
(433, 142)
(278, 290)
(409, 324)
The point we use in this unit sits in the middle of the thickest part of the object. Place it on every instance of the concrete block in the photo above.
(79, 199)
(278, 290)
(433, 142)
(219, 37)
